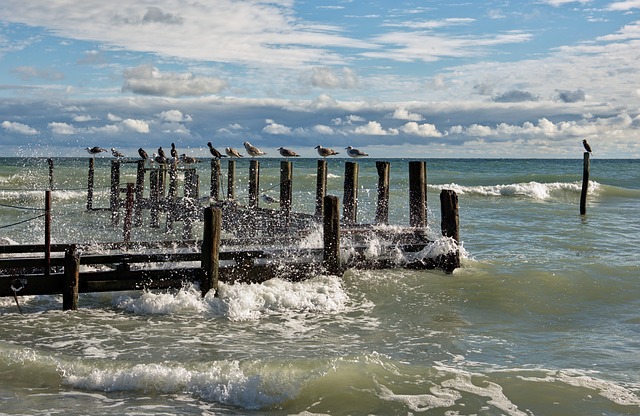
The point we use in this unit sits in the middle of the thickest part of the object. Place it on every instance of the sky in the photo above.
(416, 79)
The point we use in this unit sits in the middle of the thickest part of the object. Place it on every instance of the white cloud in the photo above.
(174, 116)
(422, 130)
(61, 128)
(403, 114)
(275, 128)
(624, 5)
(14, 127)
(557, 3)
(82, 118)
(325, 77)
(28, 73)
(373, 128)
(149, 80)
(138, 126)
(322, 129)
(113, 117)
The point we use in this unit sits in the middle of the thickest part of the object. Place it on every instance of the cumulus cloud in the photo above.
(149, 80)
(571, 96)
(61, 128)
(515, 96)
(274, 128)
(138, 126)
(14, 127)
(174, 116)
(373, 128)
(322, 129)
(324, 77)
(422, 130)
(403, 114)
(624, 5)
(113, 117)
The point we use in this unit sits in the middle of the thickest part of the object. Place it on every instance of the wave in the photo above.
(534, 190)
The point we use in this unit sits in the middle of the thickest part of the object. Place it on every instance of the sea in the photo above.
(542, 317)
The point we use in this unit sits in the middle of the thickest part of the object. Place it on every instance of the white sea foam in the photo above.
(534, 190)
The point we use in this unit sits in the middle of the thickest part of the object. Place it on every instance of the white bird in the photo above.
(231, 152)
(287, 153)
(115, 153)
(325, 151)
(269, 199)
(252, 150)
(95, 150)
(355, 152)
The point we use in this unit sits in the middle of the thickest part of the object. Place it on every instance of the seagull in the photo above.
(252, 150)
(188, 159)
(287, 153)
(586, 146)
(95, 150)
(115, 153)
(355, 152)
(214, 152)
(325, 151)
(161, 153)
(269, 199)
(174, 151)
(231, 152)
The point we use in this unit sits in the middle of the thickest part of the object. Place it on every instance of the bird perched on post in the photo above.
(143, 154)
(355, 152)
(287, 153)
(586, 145)
(161, 153)
(115, 153)
(95, 150)
(214, 152)
(325, 151)
(174, 151)
(162, 160)
(188, 159)
(252, 150)
(231, 152)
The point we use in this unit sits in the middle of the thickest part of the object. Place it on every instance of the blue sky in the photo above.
(394, 78)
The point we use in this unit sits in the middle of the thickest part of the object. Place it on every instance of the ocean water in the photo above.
(543, 317)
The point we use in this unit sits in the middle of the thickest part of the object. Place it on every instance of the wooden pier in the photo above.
(264, 243)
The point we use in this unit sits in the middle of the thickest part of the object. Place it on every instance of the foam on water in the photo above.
(534, 190)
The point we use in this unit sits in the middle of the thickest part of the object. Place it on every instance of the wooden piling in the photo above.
(50, 162)
(585, 184)
(214, 191)
(331, 236)
(191, 188)
(90, 184)
(154, 197)
(286, 184)
(254, 183)
(450, 225)
(231, 179)
(382, 209)
(114, 200)
(417, 194)
(71, 279)
(211, 250)
(47, 232)
(128, 214)
(137, 221)
(350, 208)
(172, 195)
(321, 187)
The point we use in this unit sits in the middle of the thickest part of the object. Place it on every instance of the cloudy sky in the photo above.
(428, 78)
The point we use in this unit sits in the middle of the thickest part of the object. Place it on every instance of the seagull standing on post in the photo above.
(325, 151)
(95, 150)
(115, 153)
(214, 152)
(286, 153)
(231, 152)
(355, 152)
(252, 150)
(586, 145)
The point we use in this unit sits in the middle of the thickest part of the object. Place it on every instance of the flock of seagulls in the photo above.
(253, 151)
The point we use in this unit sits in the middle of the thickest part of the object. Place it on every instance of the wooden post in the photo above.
(585, 184)
(137, 222)
(417, 194)
(210, 250)
(382, 209)
(128, 214)
(71, 279)
(90, 184)
(214, 192)
(114, 202)
(154, 196)
(190, 183)
(50, 162)
(286, 181)
(47, 232)
(450, 224)
(331, 237)
(321, 187)
(231, 179)
(171, 195)
(350, 208)
(254, 183)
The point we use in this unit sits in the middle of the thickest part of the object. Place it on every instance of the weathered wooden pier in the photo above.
(263, 242)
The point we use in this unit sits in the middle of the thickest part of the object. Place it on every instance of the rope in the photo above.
(21, 222)
(24, 208)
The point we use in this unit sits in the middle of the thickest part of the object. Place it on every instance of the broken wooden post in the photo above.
(47, 232)
(286, 184)
(417, 194)
(450, 225)
(254, 183)
(71, 279)
(210, 250)
(137, 222)
(321, 187)
(90, 184)
(214, 192)
(382, 209)
(114, 201)
(50, 162)
(585, 184)
(350, 208)
(331, 237)
(231, 179)
(128, 214)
